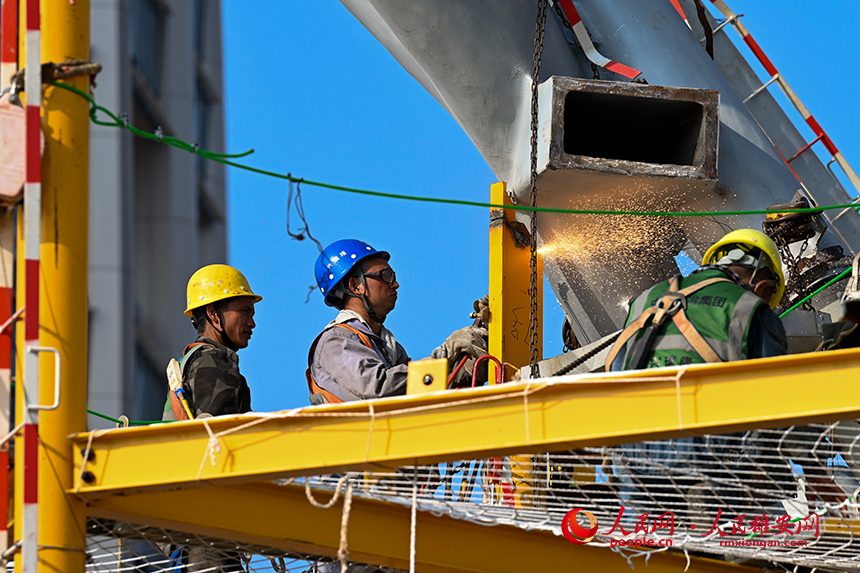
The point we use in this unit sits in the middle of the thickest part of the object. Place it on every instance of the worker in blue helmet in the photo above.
(356, 357)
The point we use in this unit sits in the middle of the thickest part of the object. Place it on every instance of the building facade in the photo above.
(157, 213)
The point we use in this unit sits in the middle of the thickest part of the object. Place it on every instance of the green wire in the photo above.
(117, 122)
(116, 421)
(833, 281)
(131, 423)
(225, 159)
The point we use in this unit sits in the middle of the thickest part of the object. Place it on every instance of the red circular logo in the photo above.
(574, 532)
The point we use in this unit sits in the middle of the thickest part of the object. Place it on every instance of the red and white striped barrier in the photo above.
(8, 66)
(32, 216)
(588, 47)
(775, 76)
(8, 41)
(680, 11)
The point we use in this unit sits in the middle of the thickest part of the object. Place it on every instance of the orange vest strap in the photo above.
(683, 323)
(193, 344)
(695, 339)
(313, 388)
(176, 407)
(627, 334)
(175, 404)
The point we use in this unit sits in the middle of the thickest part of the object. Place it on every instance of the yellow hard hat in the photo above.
(746, 240)
(216, 282)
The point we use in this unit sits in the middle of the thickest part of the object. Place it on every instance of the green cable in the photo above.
(117, 122)
(834, 280)
(116, 421)
(224, 158)
(131, 423)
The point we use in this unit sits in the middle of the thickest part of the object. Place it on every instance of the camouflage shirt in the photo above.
(213, 382)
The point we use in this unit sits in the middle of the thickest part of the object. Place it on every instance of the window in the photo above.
(147, 24)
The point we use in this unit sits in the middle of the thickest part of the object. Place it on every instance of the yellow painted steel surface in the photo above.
(509, 290)
(428, 375)
(18, 470)
(543, 415)
(65, 35)
(378, 533)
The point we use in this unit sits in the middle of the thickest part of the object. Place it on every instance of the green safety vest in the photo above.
(711, 326)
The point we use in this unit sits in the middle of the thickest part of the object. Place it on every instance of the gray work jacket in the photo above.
(344, 366)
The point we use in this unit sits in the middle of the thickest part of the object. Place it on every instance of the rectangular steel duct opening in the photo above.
(619, 146)
(625, 128)
(640, 129)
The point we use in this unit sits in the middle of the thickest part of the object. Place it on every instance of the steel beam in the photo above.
(282, 518)
(509, 286)
(543, 415)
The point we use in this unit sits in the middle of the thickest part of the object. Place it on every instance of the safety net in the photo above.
(776, 498)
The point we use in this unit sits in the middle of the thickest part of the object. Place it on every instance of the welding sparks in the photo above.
(616, 255)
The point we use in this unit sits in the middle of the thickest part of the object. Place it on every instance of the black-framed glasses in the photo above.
(388, 276)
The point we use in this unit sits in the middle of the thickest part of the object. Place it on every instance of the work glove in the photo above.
(471, 340)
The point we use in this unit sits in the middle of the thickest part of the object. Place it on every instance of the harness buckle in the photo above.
(670, 303)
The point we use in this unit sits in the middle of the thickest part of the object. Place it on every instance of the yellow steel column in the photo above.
(63, 288)
(20, 300)
(18, 472)
(509, 321)
(509, 286)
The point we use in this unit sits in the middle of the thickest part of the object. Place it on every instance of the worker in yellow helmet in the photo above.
(723, 311)
(221, 306)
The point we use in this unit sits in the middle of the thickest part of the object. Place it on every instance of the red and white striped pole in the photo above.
(8, 41)
(789, 93)
(32, 238)
(8, 66)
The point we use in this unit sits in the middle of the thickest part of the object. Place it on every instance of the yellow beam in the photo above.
(543, 415)
(509, 287)
(63, 305)
(378, 533)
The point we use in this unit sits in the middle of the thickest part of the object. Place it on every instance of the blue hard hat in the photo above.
(337, 260)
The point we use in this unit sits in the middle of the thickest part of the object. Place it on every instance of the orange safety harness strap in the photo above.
(175, 404)
(665, 306)
(312, 385)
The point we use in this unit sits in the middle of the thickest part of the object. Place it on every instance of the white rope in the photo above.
(369, 432)
(414, 519)
(526, 413)
(332, 501)
(86, 456)
(343, 551)
(212, 448)
(678, 396)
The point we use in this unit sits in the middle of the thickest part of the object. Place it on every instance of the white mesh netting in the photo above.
(777, 498)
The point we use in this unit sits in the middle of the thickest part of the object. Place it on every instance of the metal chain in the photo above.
(533, 279)
(791, 264)
(796, 273)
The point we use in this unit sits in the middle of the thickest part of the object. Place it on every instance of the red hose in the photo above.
(499, 370)
(457, 370)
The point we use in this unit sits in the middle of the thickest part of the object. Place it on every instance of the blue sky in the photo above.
(317, 96)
